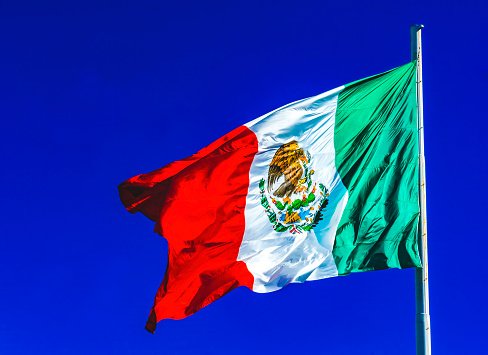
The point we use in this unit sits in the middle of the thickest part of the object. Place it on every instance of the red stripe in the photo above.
(198, 205)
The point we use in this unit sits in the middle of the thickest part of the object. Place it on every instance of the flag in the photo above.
(321, 187)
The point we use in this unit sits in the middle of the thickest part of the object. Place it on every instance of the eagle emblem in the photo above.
(291, 199)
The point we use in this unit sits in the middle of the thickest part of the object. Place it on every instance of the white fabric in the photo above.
(278, 258)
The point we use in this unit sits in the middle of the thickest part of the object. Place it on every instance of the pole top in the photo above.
(415, 41)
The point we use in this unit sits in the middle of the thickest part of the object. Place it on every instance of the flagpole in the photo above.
(422, 317)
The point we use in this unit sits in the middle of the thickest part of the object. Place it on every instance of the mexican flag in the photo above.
(321, 187)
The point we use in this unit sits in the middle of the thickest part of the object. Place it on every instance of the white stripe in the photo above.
(276, 259)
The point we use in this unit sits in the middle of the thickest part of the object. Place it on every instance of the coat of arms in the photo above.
(291, 199)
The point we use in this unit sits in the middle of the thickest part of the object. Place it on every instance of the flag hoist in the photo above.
(318, 188)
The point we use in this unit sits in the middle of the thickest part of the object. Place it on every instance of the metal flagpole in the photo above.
(422, 317)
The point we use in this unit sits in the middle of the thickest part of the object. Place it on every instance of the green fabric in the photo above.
(376, 147)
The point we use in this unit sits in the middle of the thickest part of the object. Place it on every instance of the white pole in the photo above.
(422, 317)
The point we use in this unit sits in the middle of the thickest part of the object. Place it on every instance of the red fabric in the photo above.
(198, 205)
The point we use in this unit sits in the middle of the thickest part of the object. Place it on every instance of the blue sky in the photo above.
(95, 92)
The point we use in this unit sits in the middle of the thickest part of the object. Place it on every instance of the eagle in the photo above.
(286, 162)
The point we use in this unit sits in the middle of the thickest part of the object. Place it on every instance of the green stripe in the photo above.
(376, 146)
